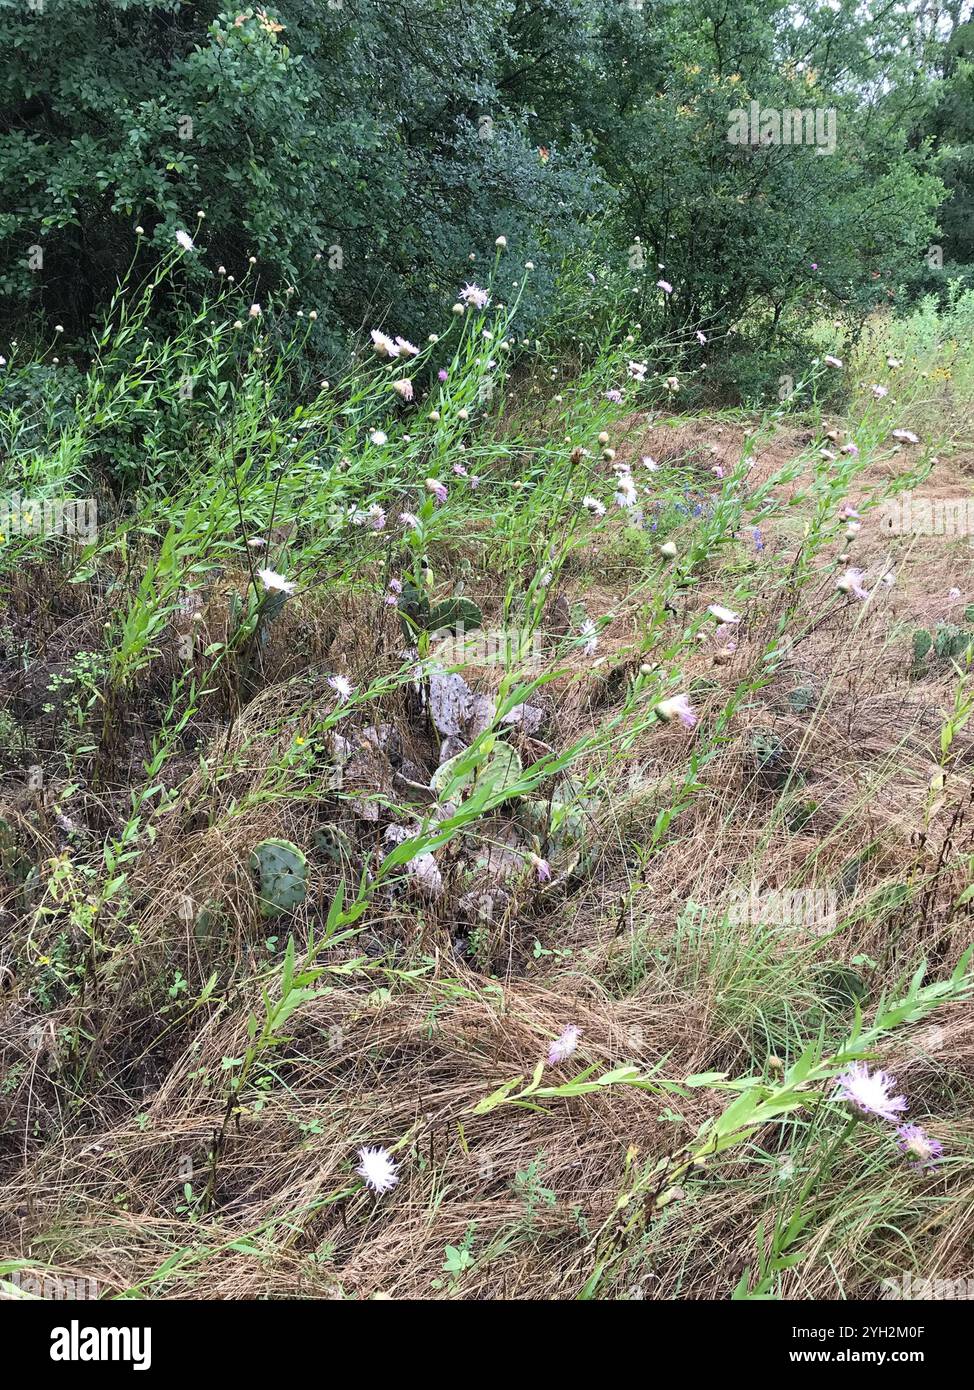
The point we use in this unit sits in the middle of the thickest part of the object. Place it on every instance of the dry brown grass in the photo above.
(114, 1094)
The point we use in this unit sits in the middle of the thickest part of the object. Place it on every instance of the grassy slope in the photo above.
(152, 1140)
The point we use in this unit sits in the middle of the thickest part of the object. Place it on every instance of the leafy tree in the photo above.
(760, 228)
(951, 129)
(367, 154)
(359, 151)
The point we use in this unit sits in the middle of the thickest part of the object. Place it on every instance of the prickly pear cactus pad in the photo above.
(282, 873)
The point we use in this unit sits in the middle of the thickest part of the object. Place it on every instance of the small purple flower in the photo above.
(437, 488)
(442, 374)
(915, 1141)
(614, 396)
(564, 1045)
(541, 867)
(679, 707)
(756, 537)
(871, 1092)
(851, 583)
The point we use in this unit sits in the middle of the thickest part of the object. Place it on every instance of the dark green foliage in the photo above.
(952, 641)
(453, 611)
(948, 644)
(362, 152)
(922, 642)
(799, 815)
(416, 612)
(950, 130)
(414, 609)
(746, 229)
(841, 987)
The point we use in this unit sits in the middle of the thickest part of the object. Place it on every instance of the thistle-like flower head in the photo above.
(564, 1045)
(342, 686)
(870, 1092)
(377, 1170)
(275, 583)
(916, 1143)
(679, 707)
